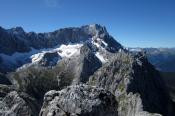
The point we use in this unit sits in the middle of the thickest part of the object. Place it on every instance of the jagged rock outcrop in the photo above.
(4, 90)
(50, 59)
(13, 41)
(14, 105)
(79, 100)
(126, 76)
(89, 63)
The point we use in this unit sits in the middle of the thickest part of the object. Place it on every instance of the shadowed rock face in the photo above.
(149, 85)
(81, 100)
(90, 63)
(14, 105)
(16, 40)
(50, 59)
(4, 90)
(4, 80)
(135, 83)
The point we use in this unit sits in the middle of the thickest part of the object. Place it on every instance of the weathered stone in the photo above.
(127, 75)
(50, 59)
(14, 105)
(81, 100)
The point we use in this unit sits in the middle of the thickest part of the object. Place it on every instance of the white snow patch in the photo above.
(104, 43)
(36, 55)
(98, 43)
(100, 57)
(120, 50)
(69, 50)
(63, 51)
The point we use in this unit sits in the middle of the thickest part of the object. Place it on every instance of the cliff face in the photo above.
(116, 82)
(17, 40)
(13, 103)
(17, 46)
(133, 79)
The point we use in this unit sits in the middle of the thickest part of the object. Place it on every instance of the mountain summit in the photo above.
(16, 44)
(77, 71)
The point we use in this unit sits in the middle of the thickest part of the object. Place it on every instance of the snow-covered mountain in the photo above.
(18, 48)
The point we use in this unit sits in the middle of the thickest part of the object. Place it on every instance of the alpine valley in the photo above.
(77, 71)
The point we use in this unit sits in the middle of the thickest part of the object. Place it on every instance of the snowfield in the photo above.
(65, 51)
(36, 55)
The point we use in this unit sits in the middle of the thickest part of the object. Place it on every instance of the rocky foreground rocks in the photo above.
(79, 100)
(14, 105)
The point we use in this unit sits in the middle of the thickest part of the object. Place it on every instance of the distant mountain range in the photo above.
(162, 58)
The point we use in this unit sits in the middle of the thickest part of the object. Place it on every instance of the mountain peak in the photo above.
(18, 29)
(95, 29)
(96, 26)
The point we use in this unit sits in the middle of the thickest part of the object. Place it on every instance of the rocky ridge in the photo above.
(116, 82)
(79, 100)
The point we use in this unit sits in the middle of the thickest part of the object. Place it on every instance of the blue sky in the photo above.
(134, 23)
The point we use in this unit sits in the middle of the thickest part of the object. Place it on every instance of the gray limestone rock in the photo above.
(79, 100)
(128, 75)
(14, 105)
(50, 59)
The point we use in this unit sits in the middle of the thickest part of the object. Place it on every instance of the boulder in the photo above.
(14, 105)
(79, 100)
